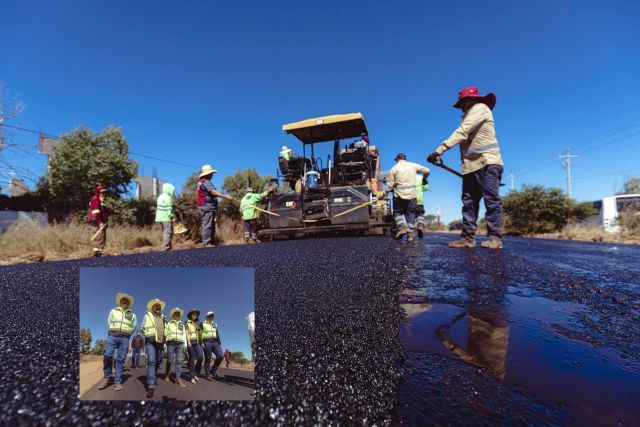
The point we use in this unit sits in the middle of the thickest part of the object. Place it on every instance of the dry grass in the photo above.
(590, 233)
(29, 242)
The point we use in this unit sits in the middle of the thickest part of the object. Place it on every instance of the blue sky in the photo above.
(228, 292)
(205, 82)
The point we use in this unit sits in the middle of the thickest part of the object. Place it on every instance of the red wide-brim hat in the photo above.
(473, 92)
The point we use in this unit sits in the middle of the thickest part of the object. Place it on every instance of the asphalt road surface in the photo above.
(231, 384)
(332, 345)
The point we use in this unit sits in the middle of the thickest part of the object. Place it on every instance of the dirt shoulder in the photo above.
(90, 371)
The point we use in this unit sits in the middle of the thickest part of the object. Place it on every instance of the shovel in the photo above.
(438, 162)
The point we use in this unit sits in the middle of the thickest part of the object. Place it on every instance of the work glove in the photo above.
(425, 181)
(433, 157)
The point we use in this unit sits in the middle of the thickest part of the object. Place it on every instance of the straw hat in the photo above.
(175, 309)
(121, 295)
(192, 311)
(154, 301)
(206, 170)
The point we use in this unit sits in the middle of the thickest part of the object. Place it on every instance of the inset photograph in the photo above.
(166, 334)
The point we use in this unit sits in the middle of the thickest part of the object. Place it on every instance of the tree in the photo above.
(85, 340)
(631, 186)
(238, 357)
(85, 159)
(535, 209)
(99, 348)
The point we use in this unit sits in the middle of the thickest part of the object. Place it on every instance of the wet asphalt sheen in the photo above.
(494, 332)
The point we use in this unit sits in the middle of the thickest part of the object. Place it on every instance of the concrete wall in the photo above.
(7, 218)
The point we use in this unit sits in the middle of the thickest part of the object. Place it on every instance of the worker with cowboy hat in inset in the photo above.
(122, 323)
(212, 343)
(194, 347)
(402, 181)
(482, 167)
(153, 328)
(176, 339)
(208, 203)
(250, 213)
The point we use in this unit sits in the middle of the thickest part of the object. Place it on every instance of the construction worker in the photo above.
(251, 328)
(286, 153)
(135, 346)
(211, 342)
(250, 213)
(402, 181)
(122, 323)
(422, 185)
(165, 215)
(153, 328)
(482, 167)
(208, 204)
(98, 217)
(227, 357)
(194, 347)
(176, 339)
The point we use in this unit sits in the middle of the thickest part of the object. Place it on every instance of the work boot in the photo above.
(193, 381)
(463, 242)
(210, 377)
(180, 384)
(106, 382)
(118, 387)
(400, 233)
(97, 253)
(150, 393)
(167, 379)
(420, 233)
(492, 243)
(410, 237)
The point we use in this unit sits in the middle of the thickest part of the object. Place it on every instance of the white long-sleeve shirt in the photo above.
(402, 179)
(477, 138)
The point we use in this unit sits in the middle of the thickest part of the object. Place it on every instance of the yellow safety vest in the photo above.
(194, 333)
(174, 330)
(209, 330)
(149, 326)
(121, 321)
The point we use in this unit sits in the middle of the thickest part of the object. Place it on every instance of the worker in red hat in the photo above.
(98, 217)
(482, 167)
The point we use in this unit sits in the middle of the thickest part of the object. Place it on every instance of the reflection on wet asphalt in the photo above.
(540, 332)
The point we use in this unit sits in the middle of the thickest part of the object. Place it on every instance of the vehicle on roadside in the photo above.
(611, 207)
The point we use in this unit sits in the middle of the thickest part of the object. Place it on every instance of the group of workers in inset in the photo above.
(481, 171)
(200, 339)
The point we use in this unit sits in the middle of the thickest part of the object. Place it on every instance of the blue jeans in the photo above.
(483, 183)
(174, 352)
(135, 357)
(154, 359)
(195, 351)
(209, 348)
(119, 346)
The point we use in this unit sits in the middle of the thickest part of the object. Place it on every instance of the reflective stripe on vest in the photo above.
(209, 330)
(174, 331)
(121, 321)
(149, 326)
(191, 329)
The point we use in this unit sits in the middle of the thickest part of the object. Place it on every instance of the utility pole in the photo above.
(511, 178)
(567, 165)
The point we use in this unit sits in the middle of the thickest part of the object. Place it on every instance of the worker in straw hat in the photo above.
(212, 345)
(194, 347)
(153, 328)
(122, 323)
(176, 342)
(482, 167)
(249, 213)
(208, 203)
